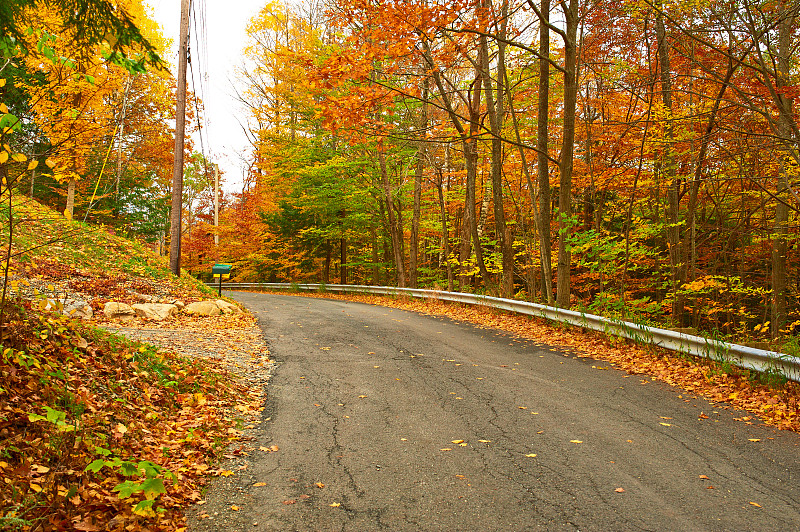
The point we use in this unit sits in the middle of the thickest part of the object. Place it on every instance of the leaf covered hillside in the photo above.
(99, 432)
(63, 258)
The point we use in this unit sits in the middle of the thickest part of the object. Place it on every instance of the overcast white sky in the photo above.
(226, 21)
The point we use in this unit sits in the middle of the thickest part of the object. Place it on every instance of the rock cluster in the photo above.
(161, 311)
(57, 296)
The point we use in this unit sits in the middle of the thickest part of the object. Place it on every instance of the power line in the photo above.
(201, 41)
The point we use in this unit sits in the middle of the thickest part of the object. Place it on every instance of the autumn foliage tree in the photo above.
(651, 147)
(86, 105)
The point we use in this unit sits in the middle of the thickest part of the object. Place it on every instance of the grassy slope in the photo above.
(145, 423)
(46, 245)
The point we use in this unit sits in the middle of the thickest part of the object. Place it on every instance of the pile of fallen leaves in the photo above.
(774, 403)
(98, 432)
(69, 259)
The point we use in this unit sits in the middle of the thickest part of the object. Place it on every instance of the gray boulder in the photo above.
(115, 310)
(227, 308)
(78, 309)
(203, 308)
(154, 311)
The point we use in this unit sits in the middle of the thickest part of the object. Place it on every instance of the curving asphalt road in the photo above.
(373, 404)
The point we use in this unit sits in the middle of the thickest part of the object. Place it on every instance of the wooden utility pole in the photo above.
(180, 127)
(216, 204)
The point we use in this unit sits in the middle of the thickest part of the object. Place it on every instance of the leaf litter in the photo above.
(102, 432)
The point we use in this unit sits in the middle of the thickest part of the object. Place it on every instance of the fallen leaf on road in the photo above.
(457, 441)
(446, 449)
(259, 484)
(235, 508)
(755, 504)
(485, 441)
(575, 441)
(754, 439)
(361, 396)
(290, 501)
(665, 424)
(531, 455)
(704, 477)
(335, 504)
(320, 485)
(620, 490)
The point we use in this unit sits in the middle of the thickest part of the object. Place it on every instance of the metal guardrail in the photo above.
(739, 355)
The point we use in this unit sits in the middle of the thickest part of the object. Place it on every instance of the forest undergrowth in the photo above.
(101, 433)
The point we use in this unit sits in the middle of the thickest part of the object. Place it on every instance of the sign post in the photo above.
(221, 271)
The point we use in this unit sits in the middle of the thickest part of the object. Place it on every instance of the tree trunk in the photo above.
(673, 229)
(469, 141)
(543, 172)
(375, 269)
(495, 109)
(567, 150)
(418, 174)
(470, 144)
(343, 261)
(394, 230)
(125, 92)
(781, 228)
(445, 232)
(70, 208)
(326, 272)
